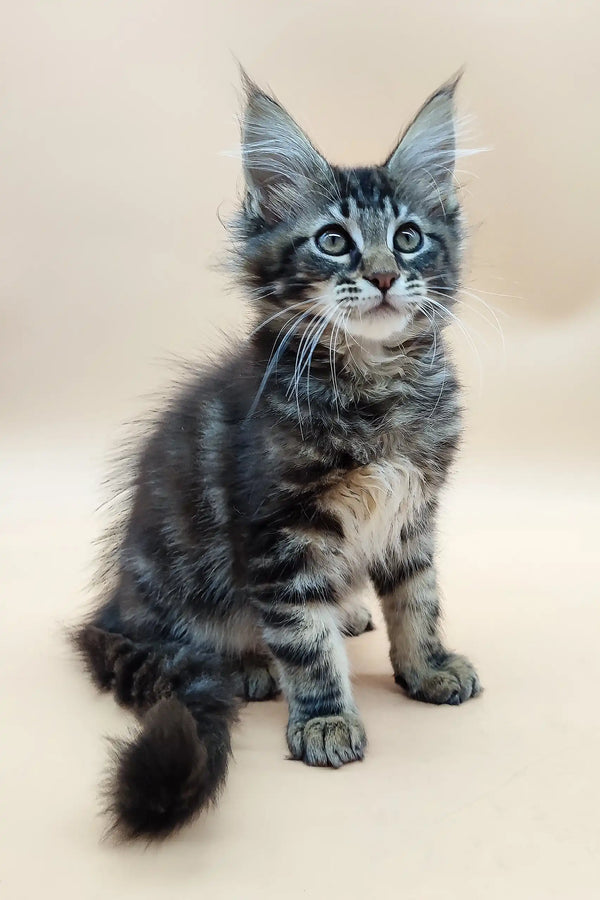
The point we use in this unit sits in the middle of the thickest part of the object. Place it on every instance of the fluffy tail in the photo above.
(177, 763)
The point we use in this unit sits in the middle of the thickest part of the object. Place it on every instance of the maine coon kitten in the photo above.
(280, 479)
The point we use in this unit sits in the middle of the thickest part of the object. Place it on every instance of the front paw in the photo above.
(327, 740)
(452, 680)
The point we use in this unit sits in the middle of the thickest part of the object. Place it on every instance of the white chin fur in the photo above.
(378, 326)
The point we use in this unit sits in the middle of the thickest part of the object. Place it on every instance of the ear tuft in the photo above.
(426, 152)
(280, 164)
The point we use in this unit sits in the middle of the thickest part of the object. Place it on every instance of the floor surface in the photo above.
(495, 799)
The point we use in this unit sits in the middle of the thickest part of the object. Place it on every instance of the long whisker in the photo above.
(307, 346)
(347, 336)
(296, 320)
(495, 311)
(276, 355)
(280, 312)
(432, 280)
(496, 324)
(339, 322)
(315, 342)
(461, 326)
(300, 352)
(430, 316)
(439, 396)
(469, 293)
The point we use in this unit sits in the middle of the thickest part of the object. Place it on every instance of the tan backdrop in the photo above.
(117, 125)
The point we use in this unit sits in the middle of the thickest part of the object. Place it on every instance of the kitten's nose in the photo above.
(383, 280)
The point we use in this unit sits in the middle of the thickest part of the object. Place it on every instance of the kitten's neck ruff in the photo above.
(369, 361)
(321, 384)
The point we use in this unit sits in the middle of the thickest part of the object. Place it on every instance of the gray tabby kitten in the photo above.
(281, 479)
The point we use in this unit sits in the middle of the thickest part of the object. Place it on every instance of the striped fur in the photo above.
(281, 478)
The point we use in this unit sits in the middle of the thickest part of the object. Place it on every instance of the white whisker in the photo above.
(463, 329)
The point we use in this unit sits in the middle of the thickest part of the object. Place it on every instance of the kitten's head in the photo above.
(371, 253)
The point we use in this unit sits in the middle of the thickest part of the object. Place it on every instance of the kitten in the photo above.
(282, 478)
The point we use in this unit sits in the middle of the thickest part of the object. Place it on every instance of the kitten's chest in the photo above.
(373, 502)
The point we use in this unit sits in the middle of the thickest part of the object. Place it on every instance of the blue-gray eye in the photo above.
(333, 240)
(408, 238)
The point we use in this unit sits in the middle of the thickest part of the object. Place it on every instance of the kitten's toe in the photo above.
(259, 680)
(451, 681)
(328, 740)
(359, 620)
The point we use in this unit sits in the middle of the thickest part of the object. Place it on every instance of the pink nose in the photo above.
(382, 280)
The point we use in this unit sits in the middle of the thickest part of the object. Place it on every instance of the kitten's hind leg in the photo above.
(257, 677)
(356, 618)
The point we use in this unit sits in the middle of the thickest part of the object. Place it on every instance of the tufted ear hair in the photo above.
(281, 166)
(426, 152)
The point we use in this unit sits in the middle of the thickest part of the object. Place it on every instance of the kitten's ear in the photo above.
(426, 151)
(281, 166)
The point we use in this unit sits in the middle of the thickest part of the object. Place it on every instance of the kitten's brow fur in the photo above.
(309, 459)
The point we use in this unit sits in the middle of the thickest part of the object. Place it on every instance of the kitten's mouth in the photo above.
(381, 320)
(383, 308)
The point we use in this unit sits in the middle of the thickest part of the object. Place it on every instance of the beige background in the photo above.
(115, 118)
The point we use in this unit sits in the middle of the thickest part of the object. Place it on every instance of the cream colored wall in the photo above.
(116, 119)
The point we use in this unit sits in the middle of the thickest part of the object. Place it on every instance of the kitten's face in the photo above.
(370, 254)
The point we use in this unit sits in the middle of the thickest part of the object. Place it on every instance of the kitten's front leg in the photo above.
(405, 580)
(324, 727)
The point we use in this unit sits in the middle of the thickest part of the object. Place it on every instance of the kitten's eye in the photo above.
(408, 238)
(333, 240)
